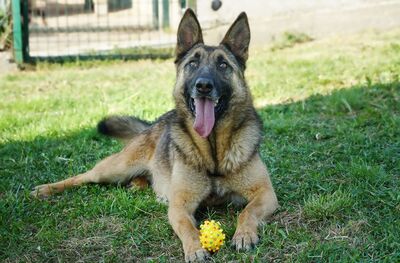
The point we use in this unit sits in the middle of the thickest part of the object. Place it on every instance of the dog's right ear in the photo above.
(189, 34)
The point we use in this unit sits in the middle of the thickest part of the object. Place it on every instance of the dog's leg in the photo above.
(188, 189)
(117, 168)
(113, 169)
(256, 187)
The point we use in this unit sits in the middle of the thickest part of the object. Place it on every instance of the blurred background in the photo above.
(47, 29)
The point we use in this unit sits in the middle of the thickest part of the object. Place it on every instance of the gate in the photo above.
(84, 29)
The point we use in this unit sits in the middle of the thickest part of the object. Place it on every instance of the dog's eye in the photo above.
(193, 64)
(222, 65)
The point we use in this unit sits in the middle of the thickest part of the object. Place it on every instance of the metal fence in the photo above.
(60, 29)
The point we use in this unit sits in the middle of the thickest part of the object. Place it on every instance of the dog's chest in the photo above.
(221, 193)
(218, 187)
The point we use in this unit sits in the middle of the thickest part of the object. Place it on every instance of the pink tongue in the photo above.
(205, 118)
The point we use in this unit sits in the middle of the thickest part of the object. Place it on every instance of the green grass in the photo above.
(331, 112)
(289, 39)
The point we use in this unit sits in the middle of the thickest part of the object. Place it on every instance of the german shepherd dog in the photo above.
(205, 151)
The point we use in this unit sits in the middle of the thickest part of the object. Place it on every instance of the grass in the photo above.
(289, 39)
(331, 112)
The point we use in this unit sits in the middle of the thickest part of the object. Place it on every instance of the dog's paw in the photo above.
(42, 191)
(200, 255)
(244, 240)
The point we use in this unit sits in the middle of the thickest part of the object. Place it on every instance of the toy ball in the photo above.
(211, 235)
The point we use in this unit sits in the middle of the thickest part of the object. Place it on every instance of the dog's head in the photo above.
(210, 79)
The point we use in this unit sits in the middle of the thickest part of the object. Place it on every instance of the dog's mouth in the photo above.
(204, 109)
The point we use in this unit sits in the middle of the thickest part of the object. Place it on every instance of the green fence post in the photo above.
(17, 32)
(165, 13)
(20, 31)
(155, 14)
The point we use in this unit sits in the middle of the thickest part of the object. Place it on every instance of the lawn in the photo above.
(331, 113)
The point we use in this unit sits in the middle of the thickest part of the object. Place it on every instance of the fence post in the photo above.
(165, 13)
(20, 31)
(25, 30)
(17, 32)
(155, 14)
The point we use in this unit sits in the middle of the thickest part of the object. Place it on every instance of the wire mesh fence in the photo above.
(72, 28)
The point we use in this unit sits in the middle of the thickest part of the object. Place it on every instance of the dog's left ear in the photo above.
(237, 39)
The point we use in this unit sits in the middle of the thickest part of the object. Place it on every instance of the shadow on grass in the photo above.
(332, 158)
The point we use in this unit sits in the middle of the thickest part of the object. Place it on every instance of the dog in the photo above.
(203, 152)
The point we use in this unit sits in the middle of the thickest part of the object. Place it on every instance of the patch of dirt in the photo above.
(96, 241)
(5, 65)
(288, 219)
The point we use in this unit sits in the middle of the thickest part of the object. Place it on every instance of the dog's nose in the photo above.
(204, 85)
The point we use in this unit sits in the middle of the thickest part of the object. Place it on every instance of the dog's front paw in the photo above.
(42, 191)
(244, 240)
(200, 255)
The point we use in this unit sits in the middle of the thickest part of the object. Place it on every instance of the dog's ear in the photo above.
(237, 39)
(189, 34)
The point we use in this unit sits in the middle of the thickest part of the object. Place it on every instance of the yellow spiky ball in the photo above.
(211, 236)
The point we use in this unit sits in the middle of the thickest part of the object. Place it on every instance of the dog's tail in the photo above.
(122, 127)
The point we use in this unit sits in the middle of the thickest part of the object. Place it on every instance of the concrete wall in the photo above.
(317, 18)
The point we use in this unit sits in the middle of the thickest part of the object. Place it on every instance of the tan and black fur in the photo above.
(185, 169)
